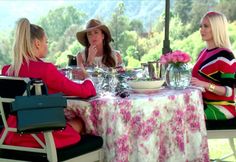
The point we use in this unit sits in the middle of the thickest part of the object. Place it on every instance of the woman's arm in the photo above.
(57, 82)
(222, 69)
(92, 51)
(119, 59)
(80, 60)
(80, 63)
(219, 90)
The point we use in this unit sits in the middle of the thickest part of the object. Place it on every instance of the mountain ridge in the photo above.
(145, 10)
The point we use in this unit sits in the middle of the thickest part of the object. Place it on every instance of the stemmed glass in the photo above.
(113, 81)
(96, 74)
(109, 82)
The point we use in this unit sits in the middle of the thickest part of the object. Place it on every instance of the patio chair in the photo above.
(219, 129)
(89, 149)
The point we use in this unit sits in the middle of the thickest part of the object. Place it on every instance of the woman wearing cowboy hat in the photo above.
(98, 52)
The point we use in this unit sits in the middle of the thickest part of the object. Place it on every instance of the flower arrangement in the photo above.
(177, 74)
(175, 57)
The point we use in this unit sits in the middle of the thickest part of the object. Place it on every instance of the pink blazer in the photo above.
(55, 81)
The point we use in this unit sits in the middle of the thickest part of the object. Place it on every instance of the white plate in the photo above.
(147, 90)
(149, 84)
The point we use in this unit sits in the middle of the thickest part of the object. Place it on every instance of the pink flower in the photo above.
(125, 114)
(175, 57)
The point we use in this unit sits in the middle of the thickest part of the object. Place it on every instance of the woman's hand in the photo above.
(79, 74)
(197, 82)
(92, 51)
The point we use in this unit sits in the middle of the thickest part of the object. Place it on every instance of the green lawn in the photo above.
(219, 148)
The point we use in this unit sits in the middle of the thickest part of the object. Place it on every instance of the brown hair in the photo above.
(107, 58)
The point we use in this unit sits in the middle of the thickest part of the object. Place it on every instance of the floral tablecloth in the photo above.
(165, 126)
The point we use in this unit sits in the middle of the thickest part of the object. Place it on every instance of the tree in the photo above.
(6, 41)
(178, 31)
(57, 21)
(228, 8)
(136, 25)
(232, 34)
(160, 22)
(128, 38)
(61, 26)
(118, 24)
(182, 8)
(199, 8)
(70, 34)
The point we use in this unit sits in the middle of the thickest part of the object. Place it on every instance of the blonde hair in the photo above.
(23, 47)
(219, 27)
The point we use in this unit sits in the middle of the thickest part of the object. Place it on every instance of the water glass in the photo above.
(67, 72)
(113, 83)
(76, 73)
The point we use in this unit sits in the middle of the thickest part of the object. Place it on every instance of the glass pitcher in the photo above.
(154, 70)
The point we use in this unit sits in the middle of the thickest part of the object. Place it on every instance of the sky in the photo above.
(12, 10)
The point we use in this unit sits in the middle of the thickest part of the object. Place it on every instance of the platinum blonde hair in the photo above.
(219, 27)
(23, 47)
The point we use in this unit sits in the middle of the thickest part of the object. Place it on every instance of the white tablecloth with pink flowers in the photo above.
(165, 126)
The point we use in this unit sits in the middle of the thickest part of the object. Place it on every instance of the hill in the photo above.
(145, 10)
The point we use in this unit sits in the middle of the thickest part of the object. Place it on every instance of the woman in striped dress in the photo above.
(215, 69)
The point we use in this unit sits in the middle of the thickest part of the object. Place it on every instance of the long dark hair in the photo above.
(107, 58)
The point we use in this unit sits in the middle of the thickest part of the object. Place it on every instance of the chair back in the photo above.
(9, 88)
(88, 149)
(12, 86)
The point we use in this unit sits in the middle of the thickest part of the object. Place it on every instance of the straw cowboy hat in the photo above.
(91, 25)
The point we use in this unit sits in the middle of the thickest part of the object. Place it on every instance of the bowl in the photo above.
(145, 84)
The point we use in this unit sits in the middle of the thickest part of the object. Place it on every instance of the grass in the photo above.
(218, 148)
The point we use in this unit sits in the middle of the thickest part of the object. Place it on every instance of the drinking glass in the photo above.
(68, 72)
(96, 74)
(76, 73)
(113, 81)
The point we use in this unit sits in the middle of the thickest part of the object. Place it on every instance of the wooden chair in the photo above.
(89, 149)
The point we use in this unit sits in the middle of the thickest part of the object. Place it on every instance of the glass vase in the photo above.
(178, 75)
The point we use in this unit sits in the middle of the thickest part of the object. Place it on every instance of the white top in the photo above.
(98, 59)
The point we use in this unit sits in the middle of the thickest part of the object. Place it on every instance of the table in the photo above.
(164, 126)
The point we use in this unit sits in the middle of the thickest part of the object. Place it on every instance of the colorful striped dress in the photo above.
(217, 66)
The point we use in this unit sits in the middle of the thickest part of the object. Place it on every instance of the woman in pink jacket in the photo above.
(29, 47)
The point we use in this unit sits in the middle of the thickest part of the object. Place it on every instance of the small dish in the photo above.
(147, 90)
(145, 84)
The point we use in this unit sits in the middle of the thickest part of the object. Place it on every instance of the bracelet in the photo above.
(228, 91)
(211, 87)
